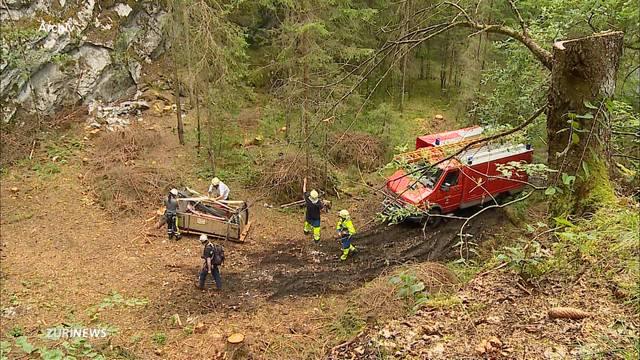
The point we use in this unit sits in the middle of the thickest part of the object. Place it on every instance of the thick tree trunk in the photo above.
(583, 76)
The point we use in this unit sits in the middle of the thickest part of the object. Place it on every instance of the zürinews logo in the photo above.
(77, 332)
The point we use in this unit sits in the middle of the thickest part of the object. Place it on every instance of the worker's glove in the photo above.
(326, 204)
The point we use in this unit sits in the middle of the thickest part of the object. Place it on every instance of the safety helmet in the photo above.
(215, 181)
(174, 192)
(313, 196)
(344, 214)
(203, 238)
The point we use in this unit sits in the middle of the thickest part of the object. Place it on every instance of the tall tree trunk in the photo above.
(428, 70)
(199, 129)
(406, 17)
(451, 64)
(176, 36)
(583, 77)
(443, 66)
(178, 103)
(305, 121)
(210, 152)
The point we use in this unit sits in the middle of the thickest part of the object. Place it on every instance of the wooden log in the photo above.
(299, 202)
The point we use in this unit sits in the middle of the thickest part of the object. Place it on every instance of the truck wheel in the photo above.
(434, 220)
(502, 198)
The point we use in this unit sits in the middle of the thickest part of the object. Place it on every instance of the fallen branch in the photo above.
(346, 343)
(298, 202)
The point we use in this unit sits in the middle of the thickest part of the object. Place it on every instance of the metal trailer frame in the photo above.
(235, 228)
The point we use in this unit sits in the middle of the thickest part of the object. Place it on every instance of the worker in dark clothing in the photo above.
(213, 256)
(312, 215)
(171, 205)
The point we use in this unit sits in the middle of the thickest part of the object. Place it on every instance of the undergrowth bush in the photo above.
(607, 244)
(603, 248)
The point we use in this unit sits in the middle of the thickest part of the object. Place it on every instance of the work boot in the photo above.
(316, 241)
(306, 232)
(170, 236)
(178, 237)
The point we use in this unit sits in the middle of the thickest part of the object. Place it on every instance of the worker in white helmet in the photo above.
(346, 231)
(312, 214)
(171, 205)
(218, 190)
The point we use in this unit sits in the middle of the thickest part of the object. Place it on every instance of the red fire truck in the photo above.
(430, 185)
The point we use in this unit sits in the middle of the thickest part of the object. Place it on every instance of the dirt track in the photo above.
(292, 268)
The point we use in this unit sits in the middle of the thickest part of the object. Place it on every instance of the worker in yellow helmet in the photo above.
(312, 215)
(346, 231)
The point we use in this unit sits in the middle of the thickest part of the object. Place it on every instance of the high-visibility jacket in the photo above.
(346, 225)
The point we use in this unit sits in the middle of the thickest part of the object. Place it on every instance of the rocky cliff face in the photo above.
(58, 52)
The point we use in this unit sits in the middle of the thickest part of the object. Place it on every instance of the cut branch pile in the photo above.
(123, 183)
(282, 181)
(357, 148)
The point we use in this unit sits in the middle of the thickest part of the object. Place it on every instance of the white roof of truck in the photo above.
(491, 152)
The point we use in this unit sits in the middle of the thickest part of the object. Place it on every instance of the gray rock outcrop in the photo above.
(60, 52)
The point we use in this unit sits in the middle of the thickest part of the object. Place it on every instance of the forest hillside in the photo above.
(476, 163)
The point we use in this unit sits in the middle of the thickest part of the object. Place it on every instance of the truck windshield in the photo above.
(430, 177)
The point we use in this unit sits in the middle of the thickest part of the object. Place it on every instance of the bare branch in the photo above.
(538, 51)
(628, 133)
(463, 11)
(461, 234)
(525, 32)
(626, 156)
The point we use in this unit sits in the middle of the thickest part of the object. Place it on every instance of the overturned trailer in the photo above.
(224, 219)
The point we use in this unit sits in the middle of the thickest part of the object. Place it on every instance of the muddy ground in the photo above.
(297, 268)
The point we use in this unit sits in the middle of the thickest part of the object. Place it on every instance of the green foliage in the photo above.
(529, 262)
(395, 214)
(16, 331)
(511, 89)
(606, 244)
(464, 271)
(160, 338)
(64, 148)
(347, 325)
(17, 49)
(114, 300)
(46, 170)
(5, 349)
(512, 168)
(81, 348)
(78, 348)
(410, 289)
(62, 60)
(25, 345)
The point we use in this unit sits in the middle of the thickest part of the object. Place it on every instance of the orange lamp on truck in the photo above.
(432, 182)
